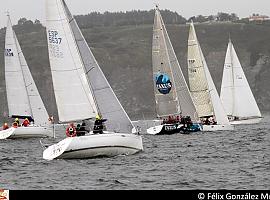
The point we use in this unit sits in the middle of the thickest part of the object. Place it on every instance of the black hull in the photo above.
(169, 129)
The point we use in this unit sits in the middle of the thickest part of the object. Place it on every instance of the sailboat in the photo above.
(82, 92)
(202, 88)
(236, 95)
(23, 97)
(172, 96)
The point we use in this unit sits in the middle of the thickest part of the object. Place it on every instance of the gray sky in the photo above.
(35, 9)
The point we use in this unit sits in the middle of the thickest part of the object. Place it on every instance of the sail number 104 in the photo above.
(53, 37)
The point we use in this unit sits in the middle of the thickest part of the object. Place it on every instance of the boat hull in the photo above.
(246, 121)
(4, 134)
(31, 132)
(218, 127)
(169, 129)
(95, 145)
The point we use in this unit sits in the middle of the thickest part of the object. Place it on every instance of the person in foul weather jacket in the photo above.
(98, 125)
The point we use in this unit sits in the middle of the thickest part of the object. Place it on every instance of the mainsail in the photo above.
(236, 94)
(205, 94)
(197, 77)
(171, 91)
(22, 94)
(72, 59)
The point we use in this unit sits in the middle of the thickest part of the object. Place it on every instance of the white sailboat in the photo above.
(172, 96)
(236, 95)
(202, 88)
(82, 92)
(22, 94)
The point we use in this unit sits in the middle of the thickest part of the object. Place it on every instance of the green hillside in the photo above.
(124, 54)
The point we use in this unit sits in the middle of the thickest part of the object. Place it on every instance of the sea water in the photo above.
(238, 159)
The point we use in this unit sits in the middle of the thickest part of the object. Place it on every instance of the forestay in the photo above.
(236, 94)
(22, 94)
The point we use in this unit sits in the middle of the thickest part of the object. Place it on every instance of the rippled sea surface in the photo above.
(238, 159)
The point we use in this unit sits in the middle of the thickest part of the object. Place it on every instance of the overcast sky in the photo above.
(35, 9)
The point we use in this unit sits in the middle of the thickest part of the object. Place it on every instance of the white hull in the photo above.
(26, 132)
(4, 134)
(95, 145)
(218, 127)
(154, 130)
(246, 121)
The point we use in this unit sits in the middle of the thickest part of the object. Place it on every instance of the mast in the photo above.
(233, 77)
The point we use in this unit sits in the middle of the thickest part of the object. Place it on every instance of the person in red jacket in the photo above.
(5, 126)
(26, 122)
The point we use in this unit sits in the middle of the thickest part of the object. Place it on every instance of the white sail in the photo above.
(171, 91)
(164, 83)
(38, 109)
(227, 90)
(236, 94)
(17, 98)
(185, 101)
(72, 59)
(199, 73)
(28, 93)
(197, 78)
(107, 102)
(219, 112)
(73, 95)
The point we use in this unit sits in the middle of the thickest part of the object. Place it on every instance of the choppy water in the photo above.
(215, 160)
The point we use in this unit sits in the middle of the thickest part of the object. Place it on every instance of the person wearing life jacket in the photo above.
(16, 123)
(80, 129)
(71, 130)
(26, 122)
(5, 126)
(98, 125)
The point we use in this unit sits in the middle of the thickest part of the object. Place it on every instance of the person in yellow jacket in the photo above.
(98, 125)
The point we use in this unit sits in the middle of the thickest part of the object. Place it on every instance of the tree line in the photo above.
(134, 17)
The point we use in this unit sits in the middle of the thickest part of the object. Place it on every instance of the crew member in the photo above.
(26, 122)
(16, 123)
(5, 126)
(98, 125)
(80, 130)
